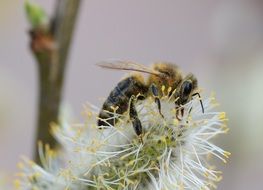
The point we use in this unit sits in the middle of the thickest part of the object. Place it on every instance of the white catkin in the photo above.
(174, 153)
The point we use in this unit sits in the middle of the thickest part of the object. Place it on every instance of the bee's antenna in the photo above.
(201, 102)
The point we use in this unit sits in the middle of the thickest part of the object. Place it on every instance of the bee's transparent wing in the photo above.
(127, 65)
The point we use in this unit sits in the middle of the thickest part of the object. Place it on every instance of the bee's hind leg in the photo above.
(155, 93)
(137, 126)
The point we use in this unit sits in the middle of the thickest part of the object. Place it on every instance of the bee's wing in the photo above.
(127, 65)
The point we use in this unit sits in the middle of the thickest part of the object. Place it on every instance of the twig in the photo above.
(51, 49)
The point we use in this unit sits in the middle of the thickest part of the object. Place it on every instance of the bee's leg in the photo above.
(190, 110)
(178, 110)
(134, 118)
(200, 103)
(155, 93)
(203, 110)
(140, 96)
(182, 111)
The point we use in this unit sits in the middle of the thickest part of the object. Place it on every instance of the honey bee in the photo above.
(135, 88)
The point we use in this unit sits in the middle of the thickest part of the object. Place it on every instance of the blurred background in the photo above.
(221, 42)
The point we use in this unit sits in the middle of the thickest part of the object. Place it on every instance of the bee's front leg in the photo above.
(201, 102)
(137, 126)
(179, 110)
(155, 93)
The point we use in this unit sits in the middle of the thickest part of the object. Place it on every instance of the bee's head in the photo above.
(187, 89)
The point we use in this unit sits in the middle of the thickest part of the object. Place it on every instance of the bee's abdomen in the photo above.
(119, 97)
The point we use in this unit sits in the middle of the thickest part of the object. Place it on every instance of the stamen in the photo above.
(174, 153)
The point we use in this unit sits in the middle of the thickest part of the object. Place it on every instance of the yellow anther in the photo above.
(93, 150)
(106, 174)
(20, 174)
(100, 177)
(209, 156)
(163, 88)
(222, 116)
(123, 157)
(176, 122)
(17, 184)
(33, 177)
(227, 154)
(131, 162)
(212, 95)
(163, 138)
(35, 188)
(40, 144)
(88, 113)
(77, 149)
(226, 130)
(212, 167)
(47, 147)
(31, 163)
(206, 174)
(123, 185)
(94, 126)
(219, 178)
(20, 165)
(181, 186)
(169, 89)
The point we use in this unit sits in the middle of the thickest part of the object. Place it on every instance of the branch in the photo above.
(50, 46)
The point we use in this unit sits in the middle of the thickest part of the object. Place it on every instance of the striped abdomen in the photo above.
(120, 97)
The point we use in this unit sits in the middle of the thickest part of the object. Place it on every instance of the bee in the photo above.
(134, 88)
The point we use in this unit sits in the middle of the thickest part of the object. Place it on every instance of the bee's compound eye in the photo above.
(187, 87)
